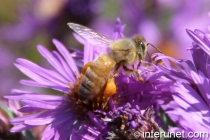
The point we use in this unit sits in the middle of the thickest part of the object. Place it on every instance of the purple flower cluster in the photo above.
(65, 115)
(45, 108)
(178, 87)
(189, 105)
(126, 121)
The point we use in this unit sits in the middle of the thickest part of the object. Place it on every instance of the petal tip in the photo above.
(39, 47)
(55, 40)
(188, 30)
(118, 21)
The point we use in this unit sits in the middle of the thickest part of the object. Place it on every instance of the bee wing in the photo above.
(90, 35)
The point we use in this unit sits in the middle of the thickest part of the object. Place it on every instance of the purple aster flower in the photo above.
(48, 109)
(190, 92)
(66, 115)
(131, 91)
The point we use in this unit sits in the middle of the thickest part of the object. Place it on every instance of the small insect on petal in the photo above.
(110, 88)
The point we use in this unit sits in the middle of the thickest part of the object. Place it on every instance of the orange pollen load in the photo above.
(110, 88)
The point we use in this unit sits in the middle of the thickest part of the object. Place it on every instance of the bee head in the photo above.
(141, 46)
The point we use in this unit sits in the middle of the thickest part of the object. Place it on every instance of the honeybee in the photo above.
(123, 52)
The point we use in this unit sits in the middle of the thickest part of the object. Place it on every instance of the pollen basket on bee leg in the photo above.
(110, 88)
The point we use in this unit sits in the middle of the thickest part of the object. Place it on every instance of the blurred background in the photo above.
(26, 23)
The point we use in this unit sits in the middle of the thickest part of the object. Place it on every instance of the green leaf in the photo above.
(166, 121)
(28, 135)
(7, 110)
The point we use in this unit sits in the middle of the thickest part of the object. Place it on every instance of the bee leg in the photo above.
(128, 70)
(139, 64)
(115, 71)
(133, 71)
(77, 75)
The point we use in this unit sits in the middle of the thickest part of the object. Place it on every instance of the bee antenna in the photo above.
(154, 47)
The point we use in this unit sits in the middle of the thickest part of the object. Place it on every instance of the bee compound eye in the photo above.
(141, 44)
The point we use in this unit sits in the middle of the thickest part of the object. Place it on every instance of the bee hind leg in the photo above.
(133, 71)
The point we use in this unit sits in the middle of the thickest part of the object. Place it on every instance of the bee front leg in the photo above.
(133, 71)
(133, 66)
(115, 70)
(139, 64)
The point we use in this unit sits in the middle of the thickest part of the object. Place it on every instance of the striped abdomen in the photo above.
(96, 76)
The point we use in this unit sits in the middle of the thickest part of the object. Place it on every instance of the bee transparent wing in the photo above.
(90, 35)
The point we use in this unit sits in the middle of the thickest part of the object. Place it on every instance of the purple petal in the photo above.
(88, 55)
(66, 129)
(41, 104)
(154, 76)
(34, 76)
(207, 39)
(69, 131)
(32, 83)
(198, 55)
(39, 121)
(174, 73)
(185, 66)
(96, 121)
(23, 118)
(203, 85)
(28, 108)
(118, 30)
(111, 104)
(159, 56)
(33, 96)
(91, 130)
(21, 127)
(195, 124)
(48, 132)
(48, 74)
(62, 126)
(53, 61)
(189, 99)
(62, 119)
(199, 41)
(199, 33)
(79, 38)
(66, 55)
(46, 117)
(65, 66)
